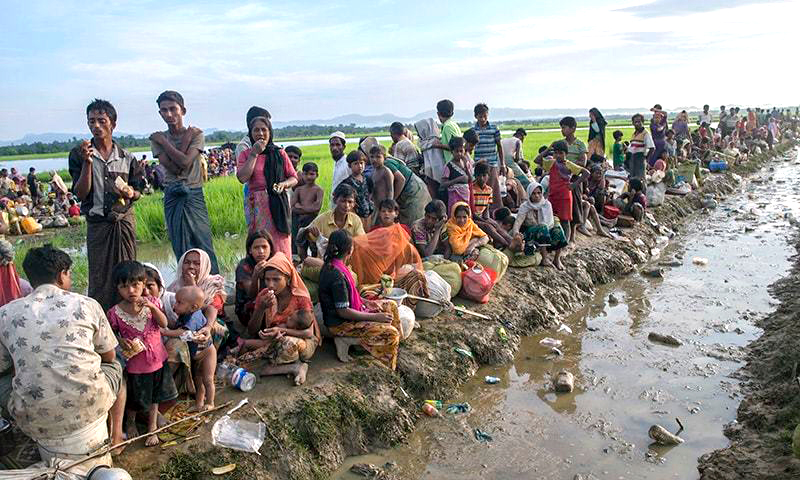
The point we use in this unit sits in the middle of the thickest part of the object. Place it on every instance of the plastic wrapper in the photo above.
(136, 347)
(238, 434)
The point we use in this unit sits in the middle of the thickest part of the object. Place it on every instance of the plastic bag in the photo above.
(493, 258)
(656, 194)
(439, 290)
(407, 320)
(449, 271)
(238, 434)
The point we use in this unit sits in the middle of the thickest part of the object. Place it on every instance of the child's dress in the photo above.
(149, 378)
(457, 192)
(193, 322)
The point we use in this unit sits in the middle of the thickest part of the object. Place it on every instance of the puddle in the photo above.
(625, 383)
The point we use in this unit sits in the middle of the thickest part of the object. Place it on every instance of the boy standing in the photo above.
(489, 149)
(295, 154)
(618, 150)
(362, 185)
(179, 149)
(306, 201)
(382, 177)
(450, 129)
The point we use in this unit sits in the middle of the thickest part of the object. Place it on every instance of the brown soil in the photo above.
(348, 410)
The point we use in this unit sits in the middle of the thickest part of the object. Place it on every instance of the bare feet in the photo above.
(546, 263)
(557, 263)
(152, 441)
(300, 375)
(238, 348)
(160, 420)
(130, 427)
(207, 407)
(342, 346)
(582, 229)
(605, 233)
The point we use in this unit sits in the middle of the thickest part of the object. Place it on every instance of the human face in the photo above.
(99, 124)
(597, 175)
(260, 250)
(387, 216)
(459, 153)
(151, 288)
(376, 159)
(172, 113)
(638, 123)
(131, 291)
(295, 159)
(560, 156)
(183, 304)
(259, 131)
(336, 146)
(310, 176)
(482, 179)
(357, 167)
(275, 281)
(567, 131)
(430, 220)
(536, 195)
(345, 204)
(191, 264)
(482, 118)
(461, 218)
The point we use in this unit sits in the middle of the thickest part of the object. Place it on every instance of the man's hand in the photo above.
(87, 151)
(312, 231)
(159, 138)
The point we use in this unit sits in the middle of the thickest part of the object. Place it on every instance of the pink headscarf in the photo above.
(212, 285)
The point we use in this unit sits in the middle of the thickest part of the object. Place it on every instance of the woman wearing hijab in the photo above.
(597, 134)
(464, 236)
(681, 127)
(194, 269)
(269, 174)
(536, 223)
(284, 322)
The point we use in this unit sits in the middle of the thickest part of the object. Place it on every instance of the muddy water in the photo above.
(624, 382)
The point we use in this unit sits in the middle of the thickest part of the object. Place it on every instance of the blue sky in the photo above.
(310, 59)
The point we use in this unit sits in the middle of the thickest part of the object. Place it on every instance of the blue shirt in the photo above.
(192, 322)
(486, 149)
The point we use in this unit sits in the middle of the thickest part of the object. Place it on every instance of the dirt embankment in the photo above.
(761, 438)
(347, 410)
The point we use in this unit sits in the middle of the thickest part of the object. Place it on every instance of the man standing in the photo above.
(489, 149)
(179, 149)
(512, 151)
(108, 181)
(33, 186)
(59, 378)
(341, 170)
(705, 116)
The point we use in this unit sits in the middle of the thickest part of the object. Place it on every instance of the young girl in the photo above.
(388, 211)
(136, 320)
(536, 223)
(457, 174)
(464, 237)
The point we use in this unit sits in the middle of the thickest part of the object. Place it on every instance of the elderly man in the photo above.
(59, 378)
(179, 150)
(341, 170)
(108, 181)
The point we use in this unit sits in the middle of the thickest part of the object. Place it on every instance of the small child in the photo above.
(188, 306)
(306, 202)
(295, 154)
(426, 232)
(74, 209)
(388, 211)
(671, 145)
(633, 202)
(137, 320)
(362, 185)
(382, 177)
(482, 194)
(456, 175)
(525, 166)
(618, 151)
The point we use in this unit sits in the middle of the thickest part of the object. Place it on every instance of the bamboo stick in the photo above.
(456, 307)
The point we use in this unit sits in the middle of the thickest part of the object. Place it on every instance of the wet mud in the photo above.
(351, 410)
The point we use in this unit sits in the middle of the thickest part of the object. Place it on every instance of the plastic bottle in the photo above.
(243, 380)
(491, 380)
(430, 410)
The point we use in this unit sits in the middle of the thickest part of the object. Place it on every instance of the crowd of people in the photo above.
(399, 217)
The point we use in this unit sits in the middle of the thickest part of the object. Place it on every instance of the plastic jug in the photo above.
(718, 166)
(477, 283)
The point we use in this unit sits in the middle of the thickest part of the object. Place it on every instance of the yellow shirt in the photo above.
(547, 164)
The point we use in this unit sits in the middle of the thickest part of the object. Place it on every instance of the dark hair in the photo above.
(521, 131)
(502, 213)
(293, 149)
(560, 146)
(543, 148)
(310, 167)
(525, 164)
(669, 130)
(480, 108)
(339, 244)
(171, 95)
(462, 208)
(568, 122)
(43, 264)
(255, 235)
(344, 190)
(397, 128)
(456, 142)
(705, 106)
(378, 149)
(32, 169)
(617, 134)
(637, 115)
(128, 271)
(388, 204)
(355, 156)
(152, 274)
(254, 112)
(103, 106)
(635, 184)
(436, 207)
(471, 136)
(509, 220)
(445, 108)
(266, 121)
(538, 171)
(481, 168)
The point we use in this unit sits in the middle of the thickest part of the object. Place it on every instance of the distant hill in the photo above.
(55, 137)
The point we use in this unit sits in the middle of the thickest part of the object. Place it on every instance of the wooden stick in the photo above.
(456, 307)
(105, 450)
(266, 426)
(679, 424)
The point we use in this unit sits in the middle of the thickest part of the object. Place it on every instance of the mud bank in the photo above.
(347, 410)
(761, 438)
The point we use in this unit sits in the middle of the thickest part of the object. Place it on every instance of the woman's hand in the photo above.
(272, 332)
(189, 279)
(217, 329)
(381, 317)
(203, 335)
(125, 344)
(259, 269)
(265, 299)
(259, 146)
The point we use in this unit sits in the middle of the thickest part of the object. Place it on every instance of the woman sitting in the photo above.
(464, 237)
(194, 269)
(284, 322)
(351, 320)
(536, 223)
(259, 248)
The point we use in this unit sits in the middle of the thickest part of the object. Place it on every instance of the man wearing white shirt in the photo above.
(341, 170)
(705, 116)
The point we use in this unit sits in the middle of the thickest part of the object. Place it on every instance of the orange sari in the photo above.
(383, 251)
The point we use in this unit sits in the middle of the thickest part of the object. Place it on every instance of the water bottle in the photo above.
(243, 380)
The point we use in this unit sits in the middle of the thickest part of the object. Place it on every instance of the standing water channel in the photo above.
(625, 383)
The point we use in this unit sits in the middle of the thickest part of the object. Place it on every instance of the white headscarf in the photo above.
(211, 285)
(543, 208)
(167, 298)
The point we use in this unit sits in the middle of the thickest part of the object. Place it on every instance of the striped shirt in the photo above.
(486, 149)
(482, 197)
(641, 142)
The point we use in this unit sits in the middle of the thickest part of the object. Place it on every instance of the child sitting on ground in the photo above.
(362, 185)
(306, 202)
(457, 174)
(382, 177)
(388, 211)
(74, 209)
(426, 232)
(137, 320)
(634, 201)
(482, 195)
(525, 166)
(535, 221)
(188, 306)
